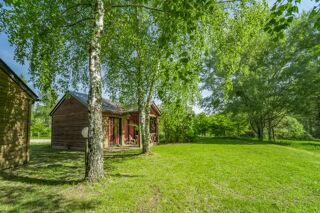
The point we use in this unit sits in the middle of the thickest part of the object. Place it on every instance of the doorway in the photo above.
(114, 131)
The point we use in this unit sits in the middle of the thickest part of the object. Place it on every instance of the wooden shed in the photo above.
(16, 99)
(70, 116)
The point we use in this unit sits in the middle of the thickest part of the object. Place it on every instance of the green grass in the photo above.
(213, 175)
(312, 145)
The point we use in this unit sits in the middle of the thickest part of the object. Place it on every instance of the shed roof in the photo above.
(17, 80)
(107, 105)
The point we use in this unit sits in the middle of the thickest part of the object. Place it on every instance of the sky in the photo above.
(7, 50)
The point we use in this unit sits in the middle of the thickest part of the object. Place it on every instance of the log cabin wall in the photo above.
(68, 120)
(105, 120)
(15, 111)
(154, 124)
(120, 127)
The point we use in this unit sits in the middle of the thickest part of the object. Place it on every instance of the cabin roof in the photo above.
(17, 80)
(134, 108)
(107, 105)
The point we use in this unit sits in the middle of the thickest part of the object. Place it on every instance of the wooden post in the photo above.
(106, 131)
(157, 129)
(123, 130)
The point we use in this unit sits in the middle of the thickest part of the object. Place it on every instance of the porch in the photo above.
(123, 131)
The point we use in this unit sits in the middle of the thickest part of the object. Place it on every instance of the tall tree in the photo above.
(272, 78)
(62, 40)
(249, 80)
(155, 60)
(58, 38)
(304, 38)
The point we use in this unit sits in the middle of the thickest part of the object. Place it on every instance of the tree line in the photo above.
(190, 126)
(255, 83)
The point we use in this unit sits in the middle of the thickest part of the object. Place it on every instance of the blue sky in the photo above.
(7, 51)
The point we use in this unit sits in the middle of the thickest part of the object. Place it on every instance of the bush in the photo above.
(39, 129)
(223, 124)
(176, 124)
(291, 128)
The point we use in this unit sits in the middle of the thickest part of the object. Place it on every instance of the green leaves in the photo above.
(53, 38)
(282, 15)
(14, 2)
(273, 77)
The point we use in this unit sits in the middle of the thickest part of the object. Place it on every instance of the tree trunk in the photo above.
(257, 127)
(260, 129)
(141, 127)
(269, 130)
(273, 136)
(270, 134)
(94, 166)
(146, 146)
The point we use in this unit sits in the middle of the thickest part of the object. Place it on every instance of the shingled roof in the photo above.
(107, 105)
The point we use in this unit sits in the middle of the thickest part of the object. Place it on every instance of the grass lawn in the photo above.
(313, 146)
(213, 175)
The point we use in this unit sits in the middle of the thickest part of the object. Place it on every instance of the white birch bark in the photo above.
(94, 167)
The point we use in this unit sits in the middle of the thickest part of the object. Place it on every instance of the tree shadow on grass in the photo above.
(115, 157)
(123, 155)
(55, 167)
(29, 199)
(37, 186)
(48, 167)
(125, 175)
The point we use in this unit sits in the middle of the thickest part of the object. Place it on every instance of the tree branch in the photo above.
(227, 1)
(137, 5)
(77, 22)
(75, 6)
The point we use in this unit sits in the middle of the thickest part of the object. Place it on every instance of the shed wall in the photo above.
(15, 109)
(67, 123)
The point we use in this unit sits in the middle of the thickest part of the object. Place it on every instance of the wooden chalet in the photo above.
(16, 100)
(70, 116)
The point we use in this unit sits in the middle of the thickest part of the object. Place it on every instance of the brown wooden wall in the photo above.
(70, 117)
(105, 121)
(67, 123)
(15, 109)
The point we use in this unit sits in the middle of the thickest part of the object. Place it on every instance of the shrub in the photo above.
(291, 128)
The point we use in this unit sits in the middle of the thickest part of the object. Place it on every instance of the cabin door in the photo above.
(115, 131)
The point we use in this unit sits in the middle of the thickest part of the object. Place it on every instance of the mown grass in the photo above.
(212, 175)
(311, 145)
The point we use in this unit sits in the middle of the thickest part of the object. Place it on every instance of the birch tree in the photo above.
(147, 66)
(62, 41)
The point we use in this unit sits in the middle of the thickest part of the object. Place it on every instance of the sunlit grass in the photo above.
(211, 175)
(311, 145)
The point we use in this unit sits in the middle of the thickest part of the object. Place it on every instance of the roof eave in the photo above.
(18, 80)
